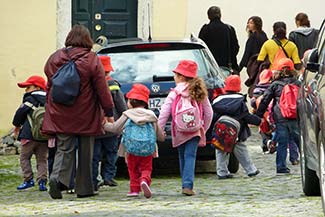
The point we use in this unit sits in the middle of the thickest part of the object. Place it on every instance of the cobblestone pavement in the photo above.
(264, 195)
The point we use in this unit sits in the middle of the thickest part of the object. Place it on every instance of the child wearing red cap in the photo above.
(106, 146)
(233, 104)
(34, 96)
(139, 167)
(187, 85)
(286, 130)
(265, 129)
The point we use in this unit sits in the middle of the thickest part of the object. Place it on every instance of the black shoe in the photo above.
(111, 183)
(265, 148)
(228, 176)
(87, 195)
(96, 188)
(283, 171)
(254, 174)
(55, 191)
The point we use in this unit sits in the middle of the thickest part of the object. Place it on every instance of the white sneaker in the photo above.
(132, 194)
(146, 189)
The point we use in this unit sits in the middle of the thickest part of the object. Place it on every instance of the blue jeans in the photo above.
(286, 131)
(187, 158)
(105, 148)
(293, 151)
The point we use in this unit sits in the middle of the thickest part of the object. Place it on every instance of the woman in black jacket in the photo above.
(256, 38)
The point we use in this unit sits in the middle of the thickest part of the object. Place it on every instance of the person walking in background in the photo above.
(34, 97)
(188, 85)
(221, 40)
(256, 38)
(139, 167)
(82, 120)
(271, 46)
(305, 37)
(233, 104)
(106, 146)
(286, 129)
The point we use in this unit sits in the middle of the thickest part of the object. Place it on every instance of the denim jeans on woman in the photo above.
(187, 157)
(286, 131)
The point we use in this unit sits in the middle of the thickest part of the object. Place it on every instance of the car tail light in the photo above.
(151, 46)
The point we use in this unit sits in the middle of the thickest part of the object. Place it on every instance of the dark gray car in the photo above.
(312, 120)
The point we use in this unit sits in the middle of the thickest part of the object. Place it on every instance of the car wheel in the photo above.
(309, 177)
(321, 158)
(233, 165)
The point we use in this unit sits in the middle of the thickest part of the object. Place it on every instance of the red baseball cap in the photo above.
(106, 61)
(233, 83)
(265, 76)
(139, 92)
(285, 63)
(187, 68)
(33, 80)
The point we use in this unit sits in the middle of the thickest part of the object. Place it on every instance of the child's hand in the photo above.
(110, 119)
(16, 132)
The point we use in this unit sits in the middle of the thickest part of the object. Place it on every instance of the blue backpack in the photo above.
(66, 84)
(139, 140)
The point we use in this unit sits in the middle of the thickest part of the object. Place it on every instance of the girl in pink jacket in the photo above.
(187, 85)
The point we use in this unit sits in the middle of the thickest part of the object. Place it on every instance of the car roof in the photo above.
(138, 45)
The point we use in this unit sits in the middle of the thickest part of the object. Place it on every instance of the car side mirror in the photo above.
(313, 67)
(312, 60)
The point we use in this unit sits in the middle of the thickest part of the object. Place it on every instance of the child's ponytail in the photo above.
(197, 89)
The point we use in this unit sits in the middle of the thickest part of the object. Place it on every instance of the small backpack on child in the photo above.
(139, 139)
(225, 133)
(35, 121)
(187, 115)
(288, 100)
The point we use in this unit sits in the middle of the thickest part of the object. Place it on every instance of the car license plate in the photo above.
(156, 103)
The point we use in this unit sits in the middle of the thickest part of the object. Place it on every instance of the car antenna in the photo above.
(149, 38)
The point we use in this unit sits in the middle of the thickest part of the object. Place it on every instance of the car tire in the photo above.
(233, 165)
(321, 157)
(309, 177)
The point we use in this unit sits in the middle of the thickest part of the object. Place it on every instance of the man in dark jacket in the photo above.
(34, 97)
(221, 39)
(286, 129)
(234, 104)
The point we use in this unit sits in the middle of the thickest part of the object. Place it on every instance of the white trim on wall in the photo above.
(63, 22)
(145, 15)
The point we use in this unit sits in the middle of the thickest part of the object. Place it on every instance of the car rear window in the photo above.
(142, 66)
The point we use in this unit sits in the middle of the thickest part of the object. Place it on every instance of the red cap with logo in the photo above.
(139, 92)
(33, 80)
(187, 68)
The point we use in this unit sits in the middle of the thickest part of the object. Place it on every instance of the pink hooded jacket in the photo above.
(166, 111)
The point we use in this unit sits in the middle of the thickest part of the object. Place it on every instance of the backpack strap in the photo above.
(30, 105)
(278, 42)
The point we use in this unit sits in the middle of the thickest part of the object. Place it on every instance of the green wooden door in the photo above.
(111, 18)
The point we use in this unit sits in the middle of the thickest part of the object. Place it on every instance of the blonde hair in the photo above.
(197, 89)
